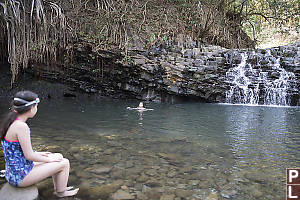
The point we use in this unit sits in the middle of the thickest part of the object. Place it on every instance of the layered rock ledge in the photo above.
(186, 71)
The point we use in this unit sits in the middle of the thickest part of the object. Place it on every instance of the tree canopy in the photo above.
(45, 32)
(253, 14)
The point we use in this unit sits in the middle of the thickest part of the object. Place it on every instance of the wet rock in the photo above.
(264, 62)
(181, 186)
(204, 184)
(118, 173)
(74, 149)
(122, 195)
(108, 152)
(183, 193)
(54, 148)
(146, 76)
(140, 61)
(174, 88)
(78, 157)
(198, 77)
(101, 170)
(83, 174)
(186, 169)
(92, 90)
(220, 60)
(255, 192)
(143, 178)
(167, 197)
(153, 183)
(254, 176)
(151, 172)
(170, 156)
(69, 94)
(275, 75)
(153, 193)
(105, 191)
(145, 188)
(171, 174)
(192, 69)
(212, 196)
(188, 53)
(141, 196)
(194, 182)
(228, 193)
(236, 58)
(9, 192)
(297, 70)
(134, 171)
(85, 185)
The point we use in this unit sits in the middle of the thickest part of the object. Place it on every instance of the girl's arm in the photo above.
(23, 135)
(43, 153)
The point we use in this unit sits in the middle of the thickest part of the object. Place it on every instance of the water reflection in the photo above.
(260, 137)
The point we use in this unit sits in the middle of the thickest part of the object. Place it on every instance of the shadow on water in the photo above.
(189, 150)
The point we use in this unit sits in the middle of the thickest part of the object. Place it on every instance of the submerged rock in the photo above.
(104, 191)
(183, 193)
(167, 197)
(212, 196)
(228, 193)
(122, 195)
(101, 170)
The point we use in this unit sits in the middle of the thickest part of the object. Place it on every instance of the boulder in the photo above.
(9, 192)
(122, 195)
(104, 191)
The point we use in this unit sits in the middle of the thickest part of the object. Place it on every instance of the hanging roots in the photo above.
(32, 34)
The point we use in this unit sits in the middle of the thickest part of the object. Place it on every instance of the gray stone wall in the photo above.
(186, 71)
(200, 72)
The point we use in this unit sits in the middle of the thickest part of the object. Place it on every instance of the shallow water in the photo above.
(187, 151)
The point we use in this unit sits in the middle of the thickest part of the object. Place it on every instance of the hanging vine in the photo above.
(33, 34)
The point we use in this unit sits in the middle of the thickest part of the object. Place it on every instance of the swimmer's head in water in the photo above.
(141, 105)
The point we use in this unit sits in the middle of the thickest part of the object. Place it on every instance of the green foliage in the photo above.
(152, 38)
(253, 15)
(96, 70)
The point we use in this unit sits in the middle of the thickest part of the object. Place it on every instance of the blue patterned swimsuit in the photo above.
(16, 165)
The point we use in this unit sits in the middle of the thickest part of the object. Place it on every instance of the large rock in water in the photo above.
(9, 192)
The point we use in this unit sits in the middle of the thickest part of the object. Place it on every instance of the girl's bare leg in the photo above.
(58, 176)
(54, 177)
(60, 180)
(59, 171)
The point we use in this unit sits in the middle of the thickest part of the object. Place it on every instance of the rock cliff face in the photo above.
(189, 71)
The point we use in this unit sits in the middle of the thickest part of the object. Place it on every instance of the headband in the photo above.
(27, 103)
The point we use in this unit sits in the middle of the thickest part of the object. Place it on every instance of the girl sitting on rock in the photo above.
(25, 167)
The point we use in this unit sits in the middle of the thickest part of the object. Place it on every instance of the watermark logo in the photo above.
(293, 183)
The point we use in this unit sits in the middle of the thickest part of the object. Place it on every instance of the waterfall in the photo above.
(264, 82)
(276, 91)
(242, 88)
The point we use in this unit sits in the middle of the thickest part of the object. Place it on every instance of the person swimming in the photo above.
(139, 108)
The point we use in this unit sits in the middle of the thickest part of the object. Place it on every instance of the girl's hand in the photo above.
(45, 153)
(55, 157)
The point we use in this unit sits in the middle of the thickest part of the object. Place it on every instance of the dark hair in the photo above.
(18, 107)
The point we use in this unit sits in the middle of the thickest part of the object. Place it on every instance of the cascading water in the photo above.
(266, 84)
(240, 92)
(276, 91)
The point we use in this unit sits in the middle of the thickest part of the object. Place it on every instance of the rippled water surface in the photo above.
(179, 151)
